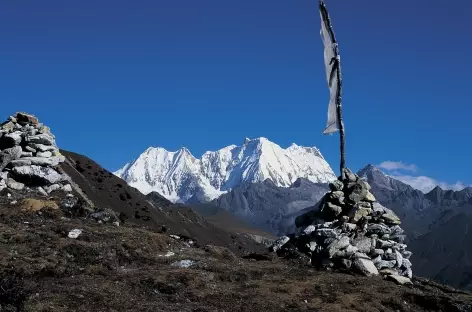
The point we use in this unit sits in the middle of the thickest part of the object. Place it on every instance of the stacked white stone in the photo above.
(29, 156)
(349, 230)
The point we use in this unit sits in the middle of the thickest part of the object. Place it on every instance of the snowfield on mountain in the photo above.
(181, 177)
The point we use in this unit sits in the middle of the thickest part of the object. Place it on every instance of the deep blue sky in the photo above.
(113, 77)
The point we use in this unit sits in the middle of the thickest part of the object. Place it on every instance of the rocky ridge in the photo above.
(29, 156)
(349, 230)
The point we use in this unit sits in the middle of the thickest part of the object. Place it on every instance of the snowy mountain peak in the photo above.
(179, 176)
(369, 170)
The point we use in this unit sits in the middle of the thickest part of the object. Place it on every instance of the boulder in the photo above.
(378, 208)
(398, 238)
(43, 129)
(26, 154)
(67, 188)
(337, 245)
(52, 188)
(387, 271)
(38, 161)
(3, 185)
(383, 244)
(312, 246)
(332, 210)
(280, 243)
(346, 264)
(381, 264)
(42, 138)
(350, 177)
(406, 263)
(23, 118)
(309, 229)
(391, 217)
(105, 216)
(357, 192)
(398, 259)
(336, 185)
(349, 227)
(351, 250)
(12, 184)
(369, 197)
(363, 244)
(9, 154)
(406, 254)
(42, 147)
(7, 126)
(378, 229)
(408, 272)
(74, 233)
(336, 195)
(41, 191)
(326, 233)
(36, 175)
(44, 154)
(396, 230)
(400, 280)
(364, 184)
(28, 148)
(14, 137)
(365, 266)
(356, 213)
(377, 252)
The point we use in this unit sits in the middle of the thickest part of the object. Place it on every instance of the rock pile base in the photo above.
(349, 230)
(29, 156)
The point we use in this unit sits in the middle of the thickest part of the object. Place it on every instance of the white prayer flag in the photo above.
(331, 59)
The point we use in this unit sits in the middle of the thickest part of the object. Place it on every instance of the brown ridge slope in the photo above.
(106, 190)
(129, 268)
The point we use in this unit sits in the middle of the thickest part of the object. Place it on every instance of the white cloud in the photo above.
(402, 172)
(426, 184)
(397, 165)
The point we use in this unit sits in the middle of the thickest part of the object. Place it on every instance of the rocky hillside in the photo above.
(32, 165)
(73, 236)
(179, 176)
(271, 207)
(51, 261)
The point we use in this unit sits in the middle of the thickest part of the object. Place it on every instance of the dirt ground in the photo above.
(130, 268)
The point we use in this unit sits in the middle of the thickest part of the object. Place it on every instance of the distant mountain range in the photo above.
(271, 207)
(180, 177)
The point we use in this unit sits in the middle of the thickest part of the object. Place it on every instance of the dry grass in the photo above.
(110, 268)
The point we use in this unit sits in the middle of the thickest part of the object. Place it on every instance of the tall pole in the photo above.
(336, 62)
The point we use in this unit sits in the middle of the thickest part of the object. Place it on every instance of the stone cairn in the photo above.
(349, 231)
(29, 157)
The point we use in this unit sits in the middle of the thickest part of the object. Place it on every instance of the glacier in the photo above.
(181, 177)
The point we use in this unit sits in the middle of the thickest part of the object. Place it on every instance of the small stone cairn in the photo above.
(29, 157)
(350, 231)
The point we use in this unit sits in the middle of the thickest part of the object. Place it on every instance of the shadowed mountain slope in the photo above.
(105, 190)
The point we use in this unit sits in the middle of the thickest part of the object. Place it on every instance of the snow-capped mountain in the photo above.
(179, 176)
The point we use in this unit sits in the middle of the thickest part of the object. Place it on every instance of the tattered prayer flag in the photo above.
(333, 76)
(331, 60)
